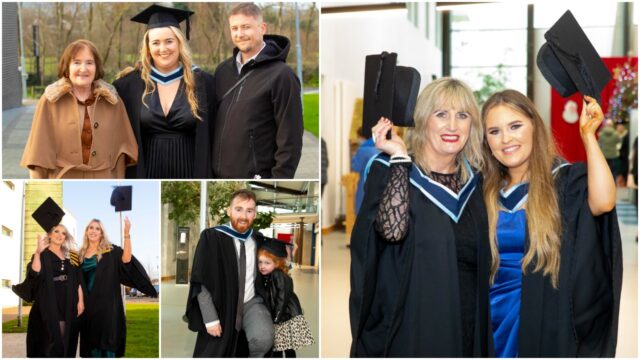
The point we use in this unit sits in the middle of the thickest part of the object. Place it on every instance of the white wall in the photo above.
(11, 211)
(346, 38)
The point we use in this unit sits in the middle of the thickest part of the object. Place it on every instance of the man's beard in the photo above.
(235, 223)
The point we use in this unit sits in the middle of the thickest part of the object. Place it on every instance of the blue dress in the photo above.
(505, 293)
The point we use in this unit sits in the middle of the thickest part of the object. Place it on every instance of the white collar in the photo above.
(239, 62)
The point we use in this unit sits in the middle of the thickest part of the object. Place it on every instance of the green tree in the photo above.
(219, 195)
(184, 198)
(491, 84)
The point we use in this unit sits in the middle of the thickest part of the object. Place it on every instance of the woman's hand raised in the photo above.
(591, 117)
(393, 146)
(42, 243)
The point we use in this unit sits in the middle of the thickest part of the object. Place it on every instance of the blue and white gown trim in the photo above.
(449, 202)
(514, 199)
(228, 230)
(167, 78)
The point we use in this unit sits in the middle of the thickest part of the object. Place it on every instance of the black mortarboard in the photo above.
(156, 16)
(121, 198)
(569, 61)
(389, 90)
(275, 246)
(48, 215)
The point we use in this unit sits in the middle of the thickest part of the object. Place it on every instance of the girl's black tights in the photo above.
(289, 353)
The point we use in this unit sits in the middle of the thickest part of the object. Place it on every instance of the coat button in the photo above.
(93, 153)
(95, 125)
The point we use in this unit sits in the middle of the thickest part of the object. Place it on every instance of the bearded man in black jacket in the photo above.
(258, 128)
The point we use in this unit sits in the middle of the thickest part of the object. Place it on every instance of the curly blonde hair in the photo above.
(69, 242)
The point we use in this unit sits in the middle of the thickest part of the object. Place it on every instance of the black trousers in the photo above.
(289, 353)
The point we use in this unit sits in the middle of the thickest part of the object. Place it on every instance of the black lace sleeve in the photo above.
(392, 219)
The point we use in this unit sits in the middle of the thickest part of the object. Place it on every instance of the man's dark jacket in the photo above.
(258, 128)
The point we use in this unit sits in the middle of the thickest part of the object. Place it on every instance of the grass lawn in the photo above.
(11, 326)
(311, 113)
(142, 330)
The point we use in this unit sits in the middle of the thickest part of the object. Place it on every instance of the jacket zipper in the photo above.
(253, 153)
(240, 91)
(236, 95)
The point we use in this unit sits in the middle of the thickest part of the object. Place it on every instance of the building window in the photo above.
(427, 20)
(7, 232)
(10, 185)
(412, 13)
(476, 50)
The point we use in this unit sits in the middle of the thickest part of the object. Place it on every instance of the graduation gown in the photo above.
(103, 322)
(404, 299)
(580, 318)
(131, 87)
(215, 265)
(43, 332)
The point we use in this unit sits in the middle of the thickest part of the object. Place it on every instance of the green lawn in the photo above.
(11, 326)
(142, 330)
(311, 113)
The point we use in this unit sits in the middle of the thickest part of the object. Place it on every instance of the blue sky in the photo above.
(87, 200)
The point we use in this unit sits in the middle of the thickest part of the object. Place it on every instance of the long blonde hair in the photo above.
(542, 210)
(446, 93)
(103, 245)
(144, 66)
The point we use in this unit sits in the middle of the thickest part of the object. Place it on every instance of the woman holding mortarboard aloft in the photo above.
(105, 266)
(53, 285)
(169, 100)
(557, 269)
(80, 127)
(419, 248)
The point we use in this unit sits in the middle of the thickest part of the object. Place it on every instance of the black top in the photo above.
(103, 321)
(426, 295)
(466, 247)
(466, 254)
(53, 302)
(131, 87)
(60, 268)
(168, 142)
(467, 258)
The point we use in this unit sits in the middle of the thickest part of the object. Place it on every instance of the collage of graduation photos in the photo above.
(319, 179)
(161, 180)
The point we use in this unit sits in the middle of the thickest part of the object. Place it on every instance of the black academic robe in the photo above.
(43, 332)
(405, 299)
(580, 318)
(215, 265)
(131, 87)
(103, 323)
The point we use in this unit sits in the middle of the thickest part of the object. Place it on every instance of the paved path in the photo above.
(14, 345)
(16, 124)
